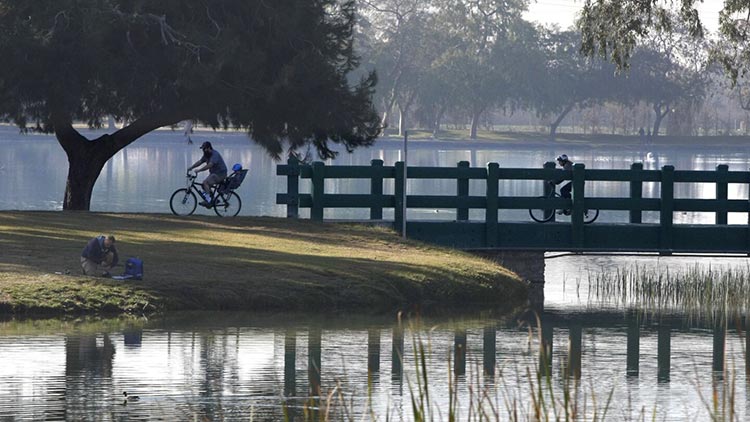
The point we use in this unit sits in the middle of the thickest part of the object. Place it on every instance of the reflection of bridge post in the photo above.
(489, 349)
(575, 339)
(634, 344)
(663, 352)
(290, 363)
(747, 352)
(718, 351)
(459, 352)
(397, 354)
(373, 351)
(545, 349)
(313, 360)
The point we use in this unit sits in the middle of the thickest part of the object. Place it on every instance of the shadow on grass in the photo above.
(191, 272)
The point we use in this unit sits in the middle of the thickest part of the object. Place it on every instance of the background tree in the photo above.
(484, 34)
(276, 69)
(393, 30)
(572, 80)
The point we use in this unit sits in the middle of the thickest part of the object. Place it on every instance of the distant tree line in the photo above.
(474, 63)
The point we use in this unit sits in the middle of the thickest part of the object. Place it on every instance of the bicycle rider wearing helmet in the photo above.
(566, 164)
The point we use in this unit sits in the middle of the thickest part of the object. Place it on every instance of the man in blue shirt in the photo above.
(99, 254)
(217, 170)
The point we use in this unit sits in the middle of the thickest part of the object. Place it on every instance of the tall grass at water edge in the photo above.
(697, 290)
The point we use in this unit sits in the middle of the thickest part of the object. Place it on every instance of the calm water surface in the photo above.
(238, 366)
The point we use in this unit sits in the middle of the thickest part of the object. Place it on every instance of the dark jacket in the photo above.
(96, 251)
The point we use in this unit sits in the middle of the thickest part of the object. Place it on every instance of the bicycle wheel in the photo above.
(227, 204)
(544, 215)
(589, 216)
(183, 202)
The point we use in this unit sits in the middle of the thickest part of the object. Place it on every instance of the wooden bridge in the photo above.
(663, 236)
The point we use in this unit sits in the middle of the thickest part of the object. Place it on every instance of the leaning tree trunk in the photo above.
(659, 117)
(475, 116)
(86, 158)
(554, 125)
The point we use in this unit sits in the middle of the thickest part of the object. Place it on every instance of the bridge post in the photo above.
(719, 347)
(292, 188)
(318, 186)
(290, 359)
(314, 343)
(397, 353)
(549, 165)
(722, 190)
(634, 344)
(462, 191)
(490, 215)
(666, 216)
(459, 352)
(489, 350)
(663, 351)
(636, 193)
(398, 192)
(545, 348)
(578, 197)
(373, 351)
(376, 190)
(575, 337)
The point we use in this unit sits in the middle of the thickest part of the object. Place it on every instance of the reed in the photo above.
(702, 291)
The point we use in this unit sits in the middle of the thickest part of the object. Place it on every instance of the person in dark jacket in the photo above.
(567, 165)
(99, 256)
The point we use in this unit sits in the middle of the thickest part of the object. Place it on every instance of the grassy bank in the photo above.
(241, 263)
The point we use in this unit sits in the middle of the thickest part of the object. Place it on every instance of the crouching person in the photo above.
(99, 256)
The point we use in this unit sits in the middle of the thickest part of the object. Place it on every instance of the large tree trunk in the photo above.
(438, 120)
(476, 115)
(660, 115)
(553, 127)
(86, 158)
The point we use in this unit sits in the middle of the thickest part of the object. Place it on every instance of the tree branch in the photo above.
(140, 127)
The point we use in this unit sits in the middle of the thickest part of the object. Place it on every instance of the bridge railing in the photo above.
(493, 200)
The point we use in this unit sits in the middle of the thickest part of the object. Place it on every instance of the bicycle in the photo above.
(224, 200)
(547, 214)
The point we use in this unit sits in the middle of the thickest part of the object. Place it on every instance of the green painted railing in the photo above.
(494, 200)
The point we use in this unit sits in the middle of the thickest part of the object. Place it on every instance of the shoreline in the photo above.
(244, 263)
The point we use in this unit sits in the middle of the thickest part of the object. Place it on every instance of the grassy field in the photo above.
(240, 263)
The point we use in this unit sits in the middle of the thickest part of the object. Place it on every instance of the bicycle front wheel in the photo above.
(542, 215)
(227, 204)
(589, 216)
(183, 202)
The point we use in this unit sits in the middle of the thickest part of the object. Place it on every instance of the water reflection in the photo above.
(142, 176)
(231, 366)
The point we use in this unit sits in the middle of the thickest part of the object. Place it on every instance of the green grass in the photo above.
(241, 263)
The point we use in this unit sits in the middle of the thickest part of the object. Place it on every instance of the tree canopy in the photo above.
(278, 69)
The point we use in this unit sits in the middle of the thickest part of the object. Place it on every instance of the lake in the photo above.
(238, 366)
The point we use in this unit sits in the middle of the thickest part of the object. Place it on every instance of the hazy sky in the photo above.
(563, 12)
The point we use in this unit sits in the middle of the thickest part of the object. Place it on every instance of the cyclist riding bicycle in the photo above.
(566, 164)
(216, 168)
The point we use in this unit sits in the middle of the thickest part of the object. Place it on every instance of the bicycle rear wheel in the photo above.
(183, 202)
(589, 216)
(227, 204)
(546, 214)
